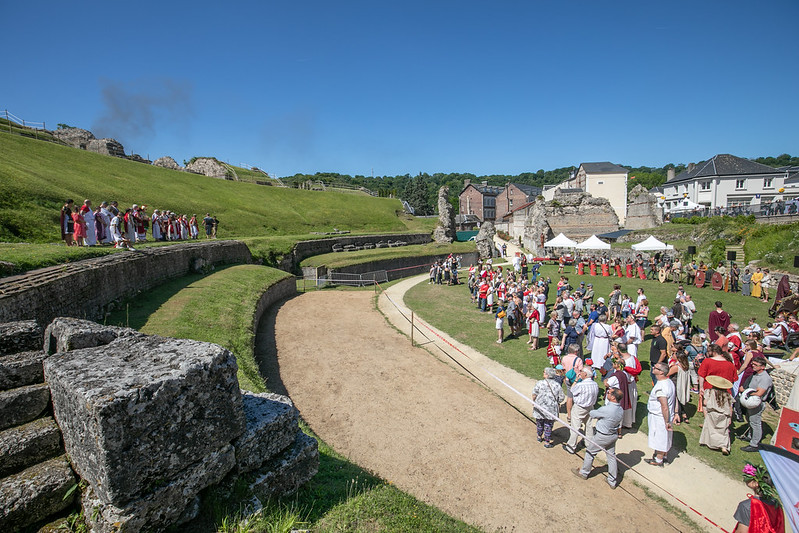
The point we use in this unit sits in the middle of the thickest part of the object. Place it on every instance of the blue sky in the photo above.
(408, 87)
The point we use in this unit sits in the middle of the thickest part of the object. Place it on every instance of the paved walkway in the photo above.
(707, 491)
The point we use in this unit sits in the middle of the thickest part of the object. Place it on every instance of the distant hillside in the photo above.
(36, 177)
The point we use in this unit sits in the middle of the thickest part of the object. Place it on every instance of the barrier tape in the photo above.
(539, 407)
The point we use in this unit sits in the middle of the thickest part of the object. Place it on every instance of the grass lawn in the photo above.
(450, 310)
(342, 259)
(342, 496)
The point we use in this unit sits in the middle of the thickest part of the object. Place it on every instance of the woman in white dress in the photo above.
(600, 348)
(541, 304)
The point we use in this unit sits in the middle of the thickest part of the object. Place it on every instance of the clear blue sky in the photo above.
(395, 87)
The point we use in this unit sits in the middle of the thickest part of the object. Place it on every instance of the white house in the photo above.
(601, 180)
(727, 181)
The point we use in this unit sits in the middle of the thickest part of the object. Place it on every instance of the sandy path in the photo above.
(403, 414)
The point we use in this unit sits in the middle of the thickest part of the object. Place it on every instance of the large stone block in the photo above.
(65, 334)
(288, 471)
(20, 369)
(25, 445)
(170, 503)
(35, 493)
(271, 428)
(20, 336)
(23, 404)
(138, 411)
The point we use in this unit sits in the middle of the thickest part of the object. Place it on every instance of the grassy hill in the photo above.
(36, 177)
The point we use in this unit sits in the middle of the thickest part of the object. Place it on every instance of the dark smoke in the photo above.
(134, 110)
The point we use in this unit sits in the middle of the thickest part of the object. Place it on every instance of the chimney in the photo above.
(690, 167)
(669, 174)
(466, 182)
(485, 184)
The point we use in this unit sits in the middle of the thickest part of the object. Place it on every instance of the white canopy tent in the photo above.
(561, 241)
(651, 244)
(593, 243)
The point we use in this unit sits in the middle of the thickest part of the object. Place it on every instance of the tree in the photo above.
(417, 195)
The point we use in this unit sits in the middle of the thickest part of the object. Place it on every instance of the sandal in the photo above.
(549, 445)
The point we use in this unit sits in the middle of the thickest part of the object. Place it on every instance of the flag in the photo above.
(783, 467)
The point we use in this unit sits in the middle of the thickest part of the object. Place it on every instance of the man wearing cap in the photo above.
(601, 308)
(608, 419)
(762, 384)
(588, 296)
(581, 399)
(662, 412)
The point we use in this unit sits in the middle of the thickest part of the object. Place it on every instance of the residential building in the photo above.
(479, 200)
(600, 180)
(514, 195)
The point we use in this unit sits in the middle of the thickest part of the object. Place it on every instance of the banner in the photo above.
(783, 467)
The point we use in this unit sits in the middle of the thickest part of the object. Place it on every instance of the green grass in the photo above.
(342, 259)
(36, 177)
(216, 308)
(450, 310)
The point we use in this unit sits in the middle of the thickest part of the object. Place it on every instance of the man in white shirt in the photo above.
(641, 297)
(584, 394)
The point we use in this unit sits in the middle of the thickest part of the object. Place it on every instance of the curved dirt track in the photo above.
(399, 412)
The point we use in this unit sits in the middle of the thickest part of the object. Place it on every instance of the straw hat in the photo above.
(719, 382)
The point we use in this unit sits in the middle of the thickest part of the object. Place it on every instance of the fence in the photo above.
(28, 126)
(351, 280)
(766, 209)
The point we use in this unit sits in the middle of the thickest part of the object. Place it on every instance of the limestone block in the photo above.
(288, 471)
(65, 334)
(170, 502)
(21, 336)
(271, 428)
(20, 369)
(23, 404)
(167, 162)
(35, 493)
(208, 166)
(485, 240)
(445, 230)
(138, 411)
(26, 445)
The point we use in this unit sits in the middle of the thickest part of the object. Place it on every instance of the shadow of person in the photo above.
(630, 459)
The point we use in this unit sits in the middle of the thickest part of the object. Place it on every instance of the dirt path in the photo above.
(403, 414)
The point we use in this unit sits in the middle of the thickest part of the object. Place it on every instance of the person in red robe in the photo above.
(718, 318)
(761, 512)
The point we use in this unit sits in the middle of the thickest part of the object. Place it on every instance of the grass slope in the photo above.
(36, 177)
(342, 259)
(450, 309)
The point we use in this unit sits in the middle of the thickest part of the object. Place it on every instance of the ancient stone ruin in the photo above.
(207, 166)
(643, 211)
(445, 230)
(578, 215)
(106, 147)
(167, 162)
(75, 137)
(147, 423)
(485, 240)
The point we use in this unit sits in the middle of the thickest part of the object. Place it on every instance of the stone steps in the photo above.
(740, 256)
(35, 493)
(23, 446)
(23, 404)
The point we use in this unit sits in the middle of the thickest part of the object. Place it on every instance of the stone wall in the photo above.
(304, 249)
(208, 166)
(643, 211)
(396, 268)
(784, 379)
(86, 289)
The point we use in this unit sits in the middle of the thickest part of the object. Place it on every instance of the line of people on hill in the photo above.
(108, 224)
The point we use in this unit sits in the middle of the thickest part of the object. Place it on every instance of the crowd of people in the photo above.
(592, 348)
(107, 223)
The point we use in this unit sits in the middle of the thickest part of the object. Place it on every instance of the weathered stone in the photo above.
(168, 502)
(35, 493)
(75, 137)
(485, 240)
(20, 336)
(288, 471)
(23, 404)
(142, 409)
(271, 428)
(26, 445)
(106, 147)
(65, 334)
(643, 211)
(445, 231)
(20, 369)
(7, 268)
(167, 162)
(208, 166)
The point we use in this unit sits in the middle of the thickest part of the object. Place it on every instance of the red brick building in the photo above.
(491, 203)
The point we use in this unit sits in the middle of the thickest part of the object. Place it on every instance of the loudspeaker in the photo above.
(692, 250)
(796, 261)
(731, 255)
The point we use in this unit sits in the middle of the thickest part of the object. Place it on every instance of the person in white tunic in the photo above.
(88, 217)
(600, 334)
(662, 413)
(632, 333)
(541, 302)
(106, 215)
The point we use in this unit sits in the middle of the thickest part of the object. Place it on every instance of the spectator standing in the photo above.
(661, 407)
(608, 420)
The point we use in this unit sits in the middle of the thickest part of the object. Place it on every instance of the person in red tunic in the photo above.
(718, 318)
(761, 511)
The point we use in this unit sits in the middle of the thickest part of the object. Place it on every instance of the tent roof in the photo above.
(651, 244)
(561, 241)
(593, 243)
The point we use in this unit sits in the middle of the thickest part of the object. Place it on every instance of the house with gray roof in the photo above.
(491, 202)
(601, 180)
(726, 180)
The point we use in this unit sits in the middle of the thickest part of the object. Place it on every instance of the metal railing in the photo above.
(351, 280)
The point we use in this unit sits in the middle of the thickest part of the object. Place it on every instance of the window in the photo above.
(704, 186)
(600, 183)
(489, 214)
(510, 202)
(740, 185)
(768, 183)
(489, 201)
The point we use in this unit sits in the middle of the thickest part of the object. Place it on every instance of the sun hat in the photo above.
(719, 382)
(600, 299)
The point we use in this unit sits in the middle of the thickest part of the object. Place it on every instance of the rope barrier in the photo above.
(538, 406)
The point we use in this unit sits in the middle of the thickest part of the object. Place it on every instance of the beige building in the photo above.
(600, 180)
